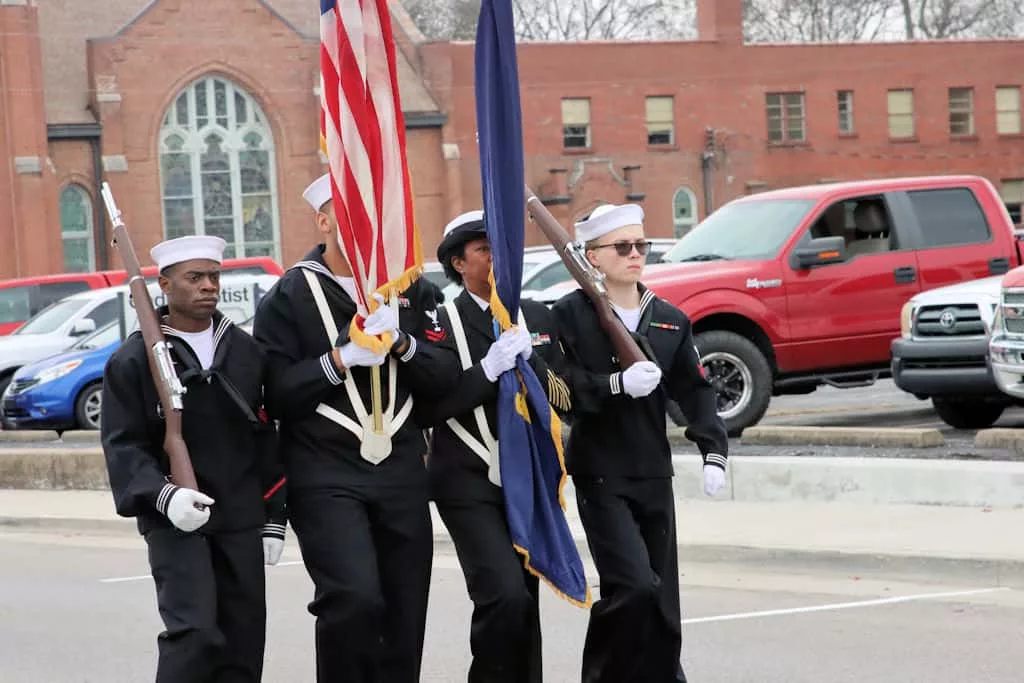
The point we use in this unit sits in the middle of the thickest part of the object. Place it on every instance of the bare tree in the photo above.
(445, 19)
(564, 20)
(816, 21)
(936, 19)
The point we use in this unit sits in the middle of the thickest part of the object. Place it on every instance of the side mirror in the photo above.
(819, 252)
(83, 327)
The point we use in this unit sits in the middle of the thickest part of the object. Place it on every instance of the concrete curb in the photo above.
(53, 468)
(81, 436)
(28, 436)
(864, 480)
(842, 436)
(1000, 438)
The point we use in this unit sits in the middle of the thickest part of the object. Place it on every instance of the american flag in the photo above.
(363, 136)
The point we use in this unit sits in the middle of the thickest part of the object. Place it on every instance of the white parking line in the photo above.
(841, 605)
(146, 577)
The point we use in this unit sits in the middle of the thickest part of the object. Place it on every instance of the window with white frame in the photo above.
(844, 103)
(785, 117)
(576, 122)
(660, 121)
(217, 169)
(76, 230)
(900, 106)
(961, 111)
(684, 211)
(1008, 110)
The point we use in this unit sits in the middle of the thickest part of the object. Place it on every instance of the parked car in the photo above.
(64, 391)
(794, 288)
(22, 298)
(1006, 345)
(60, 325)
(943, 349)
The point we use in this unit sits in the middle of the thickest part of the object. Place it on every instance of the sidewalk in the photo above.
(979, 539)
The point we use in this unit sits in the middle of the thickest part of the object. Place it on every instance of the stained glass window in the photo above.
(217, 169)
(76, 230)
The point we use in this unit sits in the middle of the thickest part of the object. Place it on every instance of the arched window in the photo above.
(217, 169)
(684, 211)
(76, 230)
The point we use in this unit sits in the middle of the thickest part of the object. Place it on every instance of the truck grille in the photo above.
(1014, 325)
(956, 320)
(20, 385)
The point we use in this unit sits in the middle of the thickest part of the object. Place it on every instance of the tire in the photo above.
(740, 374)
(88, 406)
(4, 381)
(961, 413)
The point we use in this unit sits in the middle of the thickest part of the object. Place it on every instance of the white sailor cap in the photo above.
(319, 192)
(182, 249)
(461, 229)
(606, 218)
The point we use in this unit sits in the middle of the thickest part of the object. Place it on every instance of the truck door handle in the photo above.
(998, 265)
(905, 274)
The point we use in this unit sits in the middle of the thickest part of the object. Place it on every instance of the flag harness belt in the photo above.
(371, 451)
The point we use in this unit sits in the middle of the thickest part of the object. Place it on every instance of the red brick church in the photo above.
(203, 116)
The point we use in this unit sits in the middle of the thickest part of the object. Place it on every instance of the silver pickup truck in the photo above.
(943, 350)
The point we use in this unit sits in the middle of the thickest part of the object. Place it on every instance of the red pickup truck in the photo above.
(799, 287)
(22, 298)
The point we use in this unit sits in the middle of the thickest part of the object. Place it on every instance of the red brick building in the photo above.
(202, 114)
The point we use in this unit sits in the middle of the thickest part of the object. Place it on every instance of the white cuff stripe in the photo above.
(327, 363)
(616, 383)
(411, 350)
(164, 497)
(715, 459)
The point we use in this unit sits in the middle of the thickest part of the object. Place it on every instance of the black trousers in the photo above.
(505, 633)
(635, 633)
(212, 599)
(369, 553)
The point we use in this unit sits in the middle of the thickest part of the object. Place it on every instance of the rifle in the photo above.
(589, 279)
(168, 386)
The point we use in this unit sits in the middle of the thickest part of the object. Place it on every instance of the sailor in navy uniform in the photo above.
(619, 456)
(357, 499)
(463, 466)
(207, 561)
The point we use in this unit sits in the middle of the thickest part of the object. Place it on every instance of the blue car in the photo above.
(63, 391)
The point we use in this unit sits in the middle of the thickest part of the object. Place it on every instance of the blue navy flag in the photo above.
(529, 431)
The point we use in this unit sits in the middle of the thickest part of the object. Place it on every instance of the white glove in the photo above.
(524, 341)
(182, 511)
(640, 379)
(383, 320)
(714, 479)
(353, 355)
(501, 357)
(272, 548)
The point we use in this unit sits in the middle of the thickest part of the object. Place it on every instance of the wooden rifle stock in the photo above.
(158, 351)
(589, 279)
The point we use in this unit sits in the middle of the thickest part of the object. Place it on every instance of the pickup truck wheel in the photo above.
(740, 374)
(88, 406)
(967, 414)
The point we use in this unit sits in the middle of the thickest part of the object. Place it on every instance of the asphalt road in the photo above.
(77, 609)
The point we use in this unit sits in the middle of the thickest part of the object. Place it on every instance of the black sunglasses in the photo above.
(623, 248)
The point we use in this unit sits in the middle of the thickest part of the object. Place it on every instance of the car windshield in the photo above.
(104, 336)
(750, 231)
(52, 317)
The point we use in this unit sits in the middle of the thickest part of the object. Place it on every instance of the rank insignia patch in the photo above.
(435, 335)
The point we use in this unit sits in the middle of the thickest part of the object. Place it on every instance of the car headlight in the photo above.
(907, 320)
(57, 371)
